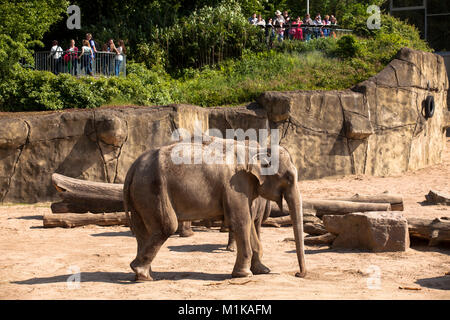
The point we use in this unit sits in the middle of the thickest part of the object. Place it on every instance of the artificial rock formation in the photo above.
(374, 231)
(375, 128)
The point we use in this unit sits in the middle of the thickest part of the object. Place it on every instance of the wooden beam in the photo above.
(72, 220)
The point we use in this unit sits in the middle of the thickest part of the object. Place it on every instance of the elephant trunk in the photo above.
(294, 201)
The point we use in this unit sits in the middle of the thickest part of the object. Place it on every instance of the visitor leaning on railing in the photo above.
(283, 27)
(56, 57)
(80, 61)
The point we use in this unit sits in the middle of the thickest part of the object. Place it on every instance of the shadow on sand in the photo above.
(124, 277)
(208, 248)
(440, 283)
(113, 234)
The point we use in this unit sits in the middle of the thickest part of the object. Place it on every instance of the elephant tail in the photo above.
(130, 212)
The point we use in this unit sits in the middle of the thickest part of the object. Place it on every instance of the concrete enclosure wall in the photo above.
(376, 128)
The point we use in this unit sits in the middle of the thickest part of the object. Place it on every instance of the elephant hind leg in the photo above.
(142, 264)
(231, 246)
(256, 265)
(160, 226)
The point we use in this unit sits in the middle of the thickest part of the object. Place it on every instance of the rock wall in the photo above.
(375, 128)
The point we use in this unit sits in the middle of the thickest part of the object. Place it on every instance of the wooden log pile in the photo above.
(86, 202)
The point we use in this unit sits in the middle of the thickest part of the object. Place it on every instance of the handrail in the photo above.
(101, 63)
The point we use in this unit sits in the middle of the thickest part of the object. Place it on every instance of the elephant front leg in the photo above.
(241, 228)
(244, 253)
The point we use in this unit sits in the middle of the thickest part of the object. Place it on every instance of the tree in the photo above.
(22, 26)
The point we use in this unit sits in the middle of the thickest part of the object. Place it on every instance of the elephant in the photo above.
(159, 191)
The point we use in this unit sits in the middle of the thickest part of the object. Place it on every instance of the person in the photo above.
(260, 21)
(318, 26)
(308, 22)
(333, 22)
(253, 19)
(120, 51)
(56, 53)
(86, 57)
(278, 23)
(287, 24)
(278, 18)
(270, 32)
(326, 22)
(72, 58)
(93, 48)
(280, 32)
(297, 30)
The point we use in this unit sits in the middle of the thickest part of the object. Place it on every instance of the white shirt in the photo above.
(119, 56)
(317, 22)
(252, 20)
(57, 52)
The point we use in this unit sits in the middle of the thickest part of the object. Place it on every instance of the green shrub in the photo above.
(347, 47)
(207, 36)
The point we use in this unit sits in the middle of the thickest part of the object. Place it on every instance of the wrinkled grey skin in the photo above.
(260, 211)
(158, 193)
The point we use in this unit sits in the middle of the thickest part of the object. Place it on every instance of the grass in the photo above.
(244, 80)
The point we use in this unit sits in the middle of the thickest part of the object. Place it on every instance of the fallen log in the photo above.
(80, 196)
(435, 197)
(395, 200)
(324, 239)
(311, 224)
(338, 207)
(72, 220)
(321, 207)
(435, 231)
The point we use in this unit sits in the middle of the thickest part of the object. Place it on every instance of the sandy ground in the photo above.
(38, 263)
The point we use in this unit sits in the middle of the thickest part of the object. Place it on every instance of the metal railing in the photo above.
(303, 32)
(102, 64)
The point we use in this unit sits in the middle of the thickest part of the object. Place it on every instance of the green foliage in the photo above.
(42, 90)
(22, 25)
(347, 46)
(28, 20)
(207, 36)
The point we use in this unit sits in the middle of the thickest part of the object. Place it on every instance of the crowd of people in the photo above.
(109, 58)
(283, 27)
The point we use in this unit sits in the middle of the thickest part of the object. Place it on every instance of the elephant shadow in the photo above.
(208, 248)
(113, 234)
(125, 278)
(440, 283)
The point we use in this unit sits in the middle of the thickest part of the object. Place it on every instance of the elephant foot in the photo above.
(300, 274)
(186, 233)
(241, 274)
(141, 277)
(259, 268)
(231, 247)
(224, 229)
(142, 273)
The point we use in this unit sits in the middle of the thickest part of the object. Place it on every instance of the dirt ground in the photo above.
(38, 263)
